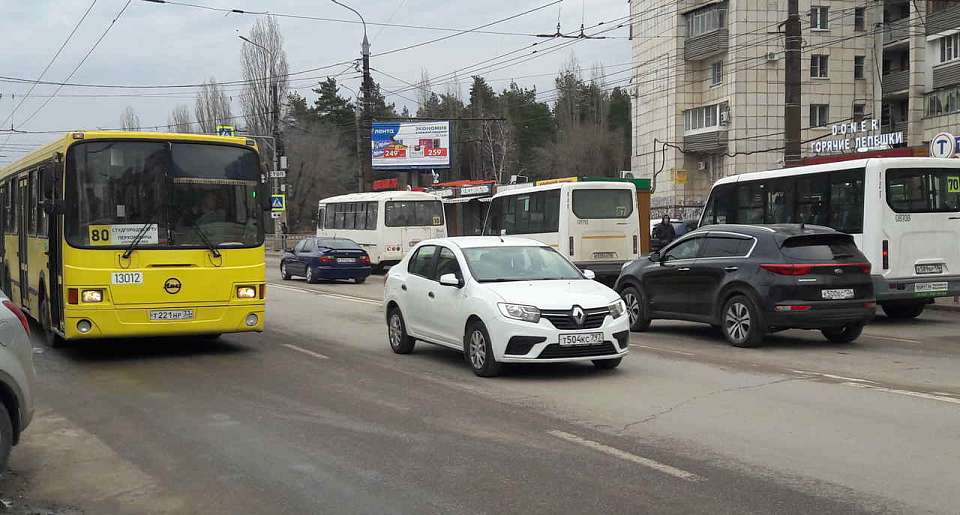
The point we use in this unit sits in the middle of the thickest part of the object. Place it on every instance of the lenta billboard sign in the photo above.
(410, 145)
(855, 138)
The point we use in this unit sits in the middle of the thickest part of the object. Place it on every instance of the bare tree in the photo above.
(212, 107)
(423, 90)
(265, 72)
(179, 119)
(129, 120)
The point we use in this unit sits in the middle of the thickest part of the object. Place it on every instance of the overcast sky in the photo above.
(170, 44)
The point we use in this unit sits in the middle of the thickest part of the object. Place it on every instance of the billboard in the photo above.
(410, 145)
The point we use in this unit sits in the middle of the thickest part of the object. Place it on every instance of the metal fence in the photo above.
(278, 242)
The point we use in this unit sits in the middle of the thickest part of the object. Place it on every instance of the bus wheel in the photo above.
(50, 337)
(903, 310)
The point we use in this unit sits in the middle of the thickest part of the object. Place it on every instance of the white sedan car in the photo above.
(503, 300)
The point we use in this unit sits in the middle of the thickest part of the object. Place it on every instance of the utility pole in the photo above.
(366, 154)
(792, 85)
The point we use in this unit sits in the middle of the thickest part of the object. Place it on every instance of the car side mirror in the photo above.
(589, 274)
(451, 280)
(654, 257)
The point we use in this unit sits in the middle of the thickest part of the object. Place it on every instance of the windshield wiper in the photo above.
(206, 241)
(136, 240)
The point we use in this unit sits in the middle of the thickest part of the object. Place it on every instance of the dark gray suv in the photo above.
(753, 280)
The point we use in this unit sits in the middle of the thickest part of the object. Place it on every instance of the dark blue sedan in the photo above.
(326, 258)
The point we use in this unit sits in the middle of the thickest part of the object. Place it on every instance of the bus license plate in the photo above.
(930, 269)
(840, 294)
(172, 314)
(346, 260)
(930, 287)
(569, 340)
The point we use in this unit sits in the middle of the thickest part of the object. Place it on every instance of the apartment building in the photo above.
(710, 83)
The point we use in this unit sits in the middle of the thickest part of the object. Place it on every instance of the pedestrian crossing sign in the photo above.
(278, 203)
(225, 130)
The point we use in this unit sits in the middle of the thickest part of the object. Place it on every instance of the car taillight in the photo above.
(364, 260)
(885, 253)
(864, 267)
(782, 269)
(16, 311)
(327, 259)
(783, 309)
(636, 244)
(571, 246)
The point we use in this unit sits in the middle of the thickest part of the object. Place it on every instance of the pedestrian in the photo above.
(663, 233)
(283, 235)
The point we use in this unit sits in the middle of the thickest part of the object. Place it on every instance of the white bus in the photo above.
(904, 214)
(595, 224)
(386, 224)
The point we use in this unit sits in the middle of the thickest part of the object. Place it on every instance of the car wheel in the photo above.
(50, 337)
(636, 308)
(845, 334)
(360, 280)
(903, 311)
(741, 325)
(400, 341)
(284, 273)
(6, 437)
(311, 277)
(479, 352)
(607, 364)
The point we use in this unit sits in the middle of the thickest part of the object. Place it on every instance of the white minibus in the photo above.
(595, 224)
(904, 214)
(385, 224)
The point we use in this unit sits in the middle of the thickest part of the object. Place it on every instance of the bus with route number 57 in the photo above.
(130, 234)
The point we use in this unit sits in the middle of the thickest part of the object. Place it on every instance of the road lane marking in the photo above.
(908, 393)
(891, 338)
(305, 351)
(626, 456)
(662, 350)
(319, 293)
(831, 376)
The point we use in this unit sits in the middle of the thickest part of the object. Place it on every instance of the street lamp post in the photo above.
(275, 118)
(367, 87)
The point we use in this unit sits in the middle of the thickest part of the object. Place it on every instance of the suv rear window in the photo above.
(821, 247)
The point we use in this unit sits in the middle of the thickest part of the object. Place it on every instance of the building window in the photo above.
(706, 20)
(704, 119)
(819, 66)
(859, 19)
(819, 115)
(858, 66)
(858, 112)
(818, 18)
(950, 48)
(716, 73)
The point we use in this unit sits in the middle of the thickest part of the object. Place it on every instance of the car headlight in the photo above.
(246, 292)
(91, 296)
(617, 309)
(519, 312)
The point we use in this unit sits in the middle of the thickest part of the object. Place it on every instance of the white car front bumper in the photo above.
(515, 341)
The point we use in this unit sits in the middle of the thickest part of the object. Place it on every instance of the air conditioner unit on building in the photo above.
(772, 57)
(701, 165)
(724, 117)
(627, 175)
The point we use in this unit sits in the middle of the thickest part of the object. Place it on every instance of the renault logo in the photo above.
(579, 316)
(172, 285)
(838, 271)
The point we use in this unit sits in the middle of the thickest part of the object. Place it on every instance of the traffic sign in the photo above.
(225, 130)
(278, 203)
(278, 174)
(943, 145)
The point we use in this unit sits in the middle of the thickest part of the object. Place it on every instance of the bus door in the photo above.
(23, 214)
(50, 189)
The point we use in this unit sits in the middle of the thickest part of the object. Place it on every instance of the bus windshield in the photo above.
(602, 203)
(176, 194)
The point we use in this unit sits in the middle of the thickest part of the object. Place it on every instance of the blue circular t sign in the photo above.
(943, 145)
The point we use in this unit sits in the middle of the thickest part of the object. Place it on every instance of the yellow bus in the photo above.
(131, 234)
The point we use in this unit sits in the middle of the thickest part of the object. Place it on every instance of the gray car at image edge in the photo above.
(16, 377)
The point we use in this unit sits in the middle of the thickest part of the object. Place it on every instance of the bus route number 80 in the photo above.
(99, 235)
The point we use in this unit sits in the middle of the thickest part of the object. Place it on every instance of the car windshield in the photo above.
(180, 194)
(337, 244)
(502, 264)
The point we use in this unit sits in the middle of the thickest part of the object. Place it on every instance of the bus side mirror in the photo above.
(52, 207)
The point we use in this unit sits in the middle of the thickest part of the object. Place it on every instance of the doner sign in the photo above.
(410, 145)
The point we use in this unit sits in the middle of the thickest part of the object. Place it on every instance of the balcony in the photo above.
(896, 32)
(947, 75)
(707, 45)
(943, 20)
(894, 126)
(707, 142)
(895, 82)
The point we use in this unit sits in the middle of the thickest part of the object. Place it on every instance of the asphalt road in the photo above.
(317, 415)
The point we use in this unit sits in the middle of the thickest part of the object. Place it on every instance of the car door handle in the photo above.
(730, 268)
(430, 294)
(403, 287)
(684, 269)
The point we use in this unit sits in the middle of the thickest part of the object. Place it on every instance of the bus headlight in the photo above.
(246, 292)
(91, 296)
(617, 309)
